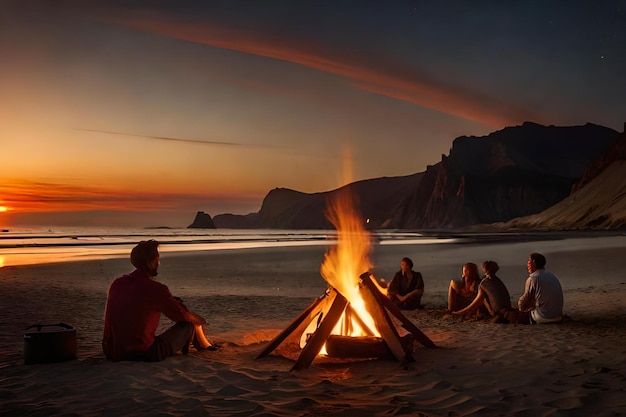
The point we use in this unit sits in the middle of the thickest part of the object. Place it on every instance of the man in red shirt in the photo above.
(134, 306)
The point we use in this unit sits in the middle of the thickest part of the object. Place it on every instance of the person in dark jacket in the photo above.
(407, 287)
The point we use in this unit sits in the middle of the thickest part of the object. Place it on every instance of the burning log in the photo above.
(366, 279)
(317, 340)
(353, 318)
(363, 347)
(385, 325)
(298, 325)
(352, 315)
(333, 306)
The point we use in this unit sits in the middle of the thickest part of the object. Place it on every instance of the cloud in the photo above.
(380, 76)
(22, 196)
(199, 141)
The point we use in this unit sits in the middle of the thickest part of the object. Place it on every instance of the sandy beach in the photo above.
(574, 368)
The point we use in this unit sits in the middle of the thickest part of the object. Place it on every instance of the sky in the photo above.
(141, 113)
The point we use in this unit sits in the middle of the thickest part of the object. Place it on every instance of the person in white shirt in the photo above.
(543, 295)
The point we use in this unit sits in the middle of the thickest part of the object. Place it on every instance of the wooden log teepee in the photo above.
(329, 308)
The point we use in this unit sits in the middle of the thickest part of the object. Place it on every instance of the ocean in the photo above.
(29, 246)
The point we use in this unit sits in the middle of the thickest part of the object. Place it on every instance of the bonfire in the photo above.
(353, 318)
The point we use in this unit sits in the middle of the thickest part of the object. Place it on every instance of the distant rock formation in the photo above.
(510, 173)
(283, 208)
(599, 205)
(597, 202)
(237, 221)
(202, 221)
(617, 152)
(514, 172)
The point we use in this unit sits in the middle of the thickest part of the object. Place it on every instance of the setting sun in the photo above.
(3, 209)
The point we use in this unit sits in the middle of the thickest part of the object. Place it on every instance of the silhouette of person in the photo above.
(407, 287)
(134, 305)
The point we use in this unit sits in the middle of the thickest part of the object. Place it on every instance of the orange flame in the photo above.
(344, 263)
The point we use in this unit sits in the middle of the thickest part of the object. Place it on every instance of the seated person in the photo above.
(543, 295)
(461, 293)
(407, 287)
(492, 293)
(134, 305)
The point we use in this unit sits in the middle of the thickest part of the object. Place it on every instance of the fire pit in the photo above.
(353, 319)
(356, 347)
(324, 315)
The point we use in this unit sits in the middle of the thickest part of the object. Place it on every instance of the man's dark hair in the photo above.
(538, 260)
(409, 262)
(143, 253)
(490, 267)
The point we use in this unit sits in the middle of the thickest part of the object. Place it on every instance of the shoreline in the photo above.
(92, 247)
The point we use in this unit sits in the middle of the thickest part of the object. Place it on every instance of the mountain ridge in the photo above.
(514, 172)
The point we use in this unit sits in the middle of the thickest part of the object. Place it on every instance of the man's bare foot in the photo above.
(212, 347)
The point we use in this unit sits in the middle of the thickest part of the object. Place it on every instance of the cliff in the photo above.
(599, 205)
(617, 152)
(514, 172)
(289, 209)
(597, 201)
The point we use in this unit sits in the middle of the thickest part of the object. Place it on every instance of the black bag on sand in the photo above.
(45, 343)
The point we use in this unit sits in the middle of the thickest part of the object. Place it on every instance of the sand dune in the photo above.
(600, 204)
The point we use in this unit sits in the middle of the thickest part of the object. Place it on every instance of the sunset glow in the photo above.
(24, 198)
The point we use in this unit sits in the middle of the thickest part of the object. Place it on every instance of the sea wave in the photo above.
(34, 246)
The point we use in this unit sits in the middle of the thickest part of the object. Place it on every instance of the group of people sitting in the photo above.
(542, 301)
(136, 301)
